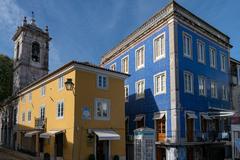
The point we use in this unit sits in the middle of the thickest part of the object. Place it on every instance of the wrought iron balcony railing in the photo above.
(40, 123)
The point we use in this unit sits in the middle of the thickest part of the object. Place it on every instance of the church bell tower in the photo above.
(31, 54)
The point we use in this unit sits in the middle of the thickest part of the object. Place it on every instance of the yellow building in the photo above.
(75, 111)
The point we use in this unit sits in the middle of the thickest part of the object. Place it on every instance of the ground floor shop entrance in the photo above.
(102, 150)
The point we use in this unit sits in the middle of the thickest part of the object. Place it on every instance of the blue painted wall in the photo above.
(150, 103)
(194, 102)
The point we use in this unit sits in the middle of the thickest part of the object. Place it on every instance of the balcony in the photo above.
(211, 136)
(40, 123)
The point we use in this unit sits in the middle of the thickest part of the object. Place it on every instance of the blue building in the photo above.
(179, 84)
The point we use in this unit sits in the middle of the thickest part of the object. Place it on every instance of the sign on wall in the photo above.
(86, 114)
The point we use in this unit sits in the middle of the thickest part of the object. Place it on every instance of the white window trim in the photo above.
(42, 106)
(143, 65)
(215, 97)
(227, 94)
(154, 83)
(60, 117)
(192, 84)
(114, 64)
(200, 118)
(210, 59)
(127, 56)
(126, 98)
(204, 52)
(166, 127)
(62, 87)
(155, 59)
(194, 129)
(23, 99)
(205, 87)
(191, 49)
(107, 83)
(29, 121)
(41, 90)
(23, 121)
(225, 65)
(143, 95)
(109, 110)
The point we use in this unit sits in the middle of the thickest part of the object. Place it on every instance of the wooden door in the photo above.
(203, 125)
(161, 129)
(160, 153)
(190, 130)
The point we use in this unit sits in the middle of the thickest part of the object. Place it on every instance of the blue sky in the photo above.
(84, 30)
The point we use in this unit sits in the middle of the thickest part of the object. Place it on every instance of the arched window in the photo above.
(35, 51)
(17, 52)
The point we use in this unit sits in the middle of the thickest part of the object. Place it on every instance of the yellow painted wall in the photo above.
(86, 92)
(52, 96)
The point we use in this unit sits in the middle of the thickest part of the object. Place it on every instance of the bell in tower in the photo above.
(31, 53)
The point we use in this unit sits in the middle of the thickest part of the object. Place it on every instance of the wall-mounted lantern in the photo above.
(69, 84)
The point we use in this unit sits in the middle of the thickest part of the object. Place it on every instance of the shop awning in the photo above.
(31, 133)
(50, 133)
(205, 116)
(191, 115)
(139, 117)
(158, 115)
(106, 134)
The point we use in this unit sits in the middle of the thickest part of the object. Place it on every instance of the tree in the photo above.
(6, 76)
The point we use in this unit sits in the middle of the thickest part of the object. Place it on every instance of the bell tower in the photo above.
(31, 52)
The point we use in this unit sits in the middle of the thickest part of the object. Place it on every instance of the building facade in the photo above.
(179, 84)
(30, 62)
(73, 123)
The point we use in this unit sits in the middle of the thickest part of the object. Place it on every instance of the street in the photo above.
(7, 156)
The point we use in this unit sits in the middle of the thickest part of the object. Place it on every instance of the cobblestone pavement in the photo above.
(7, 156)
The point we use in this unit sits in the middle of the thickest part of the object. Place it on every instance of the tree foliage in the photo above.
(6, 76)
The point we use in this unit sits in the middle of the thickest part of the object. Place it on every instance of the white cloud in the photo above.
(54, 58)
(10, 15)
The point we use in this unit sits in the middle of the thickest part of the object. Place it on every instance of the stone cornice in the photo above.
(171, 10)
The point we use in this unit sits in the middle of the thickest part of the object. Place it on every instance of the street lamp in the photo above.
(69, 84)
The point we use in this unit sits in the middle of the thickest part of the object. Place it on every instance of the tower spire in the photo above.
(33, 19)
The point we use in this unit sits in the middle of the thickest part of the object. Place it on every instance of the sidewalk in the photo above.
(16, 154)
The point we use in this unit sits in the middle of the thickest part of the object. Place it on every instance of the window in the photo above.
(42, 112)
(102, 109)
(23, 117)
(17, 55)
(102, 81)
(187, 45)
(224, 93)
(61, 83)
(202, 85)
(160, 83)
(30, 97)
(35, 52)
(140, 87)
(15, 116)
(29, 116)
(23, 99)
(43, 90)
(201, 51)
(126, 89)
(124, 67)
(159, 47)
(223, 63)
(161, 128)
(188, 82)
(60, 109)
(113, 67)
(213, 58)
(213, 89)
(140, 57)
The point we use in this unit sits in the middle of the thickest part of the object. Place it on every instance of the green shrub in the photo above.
(91, 157)
(116, 157)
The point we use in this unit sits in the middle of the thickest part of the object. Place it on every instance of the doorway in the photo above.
(59, 145)
(102, 150)
(161, 153)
